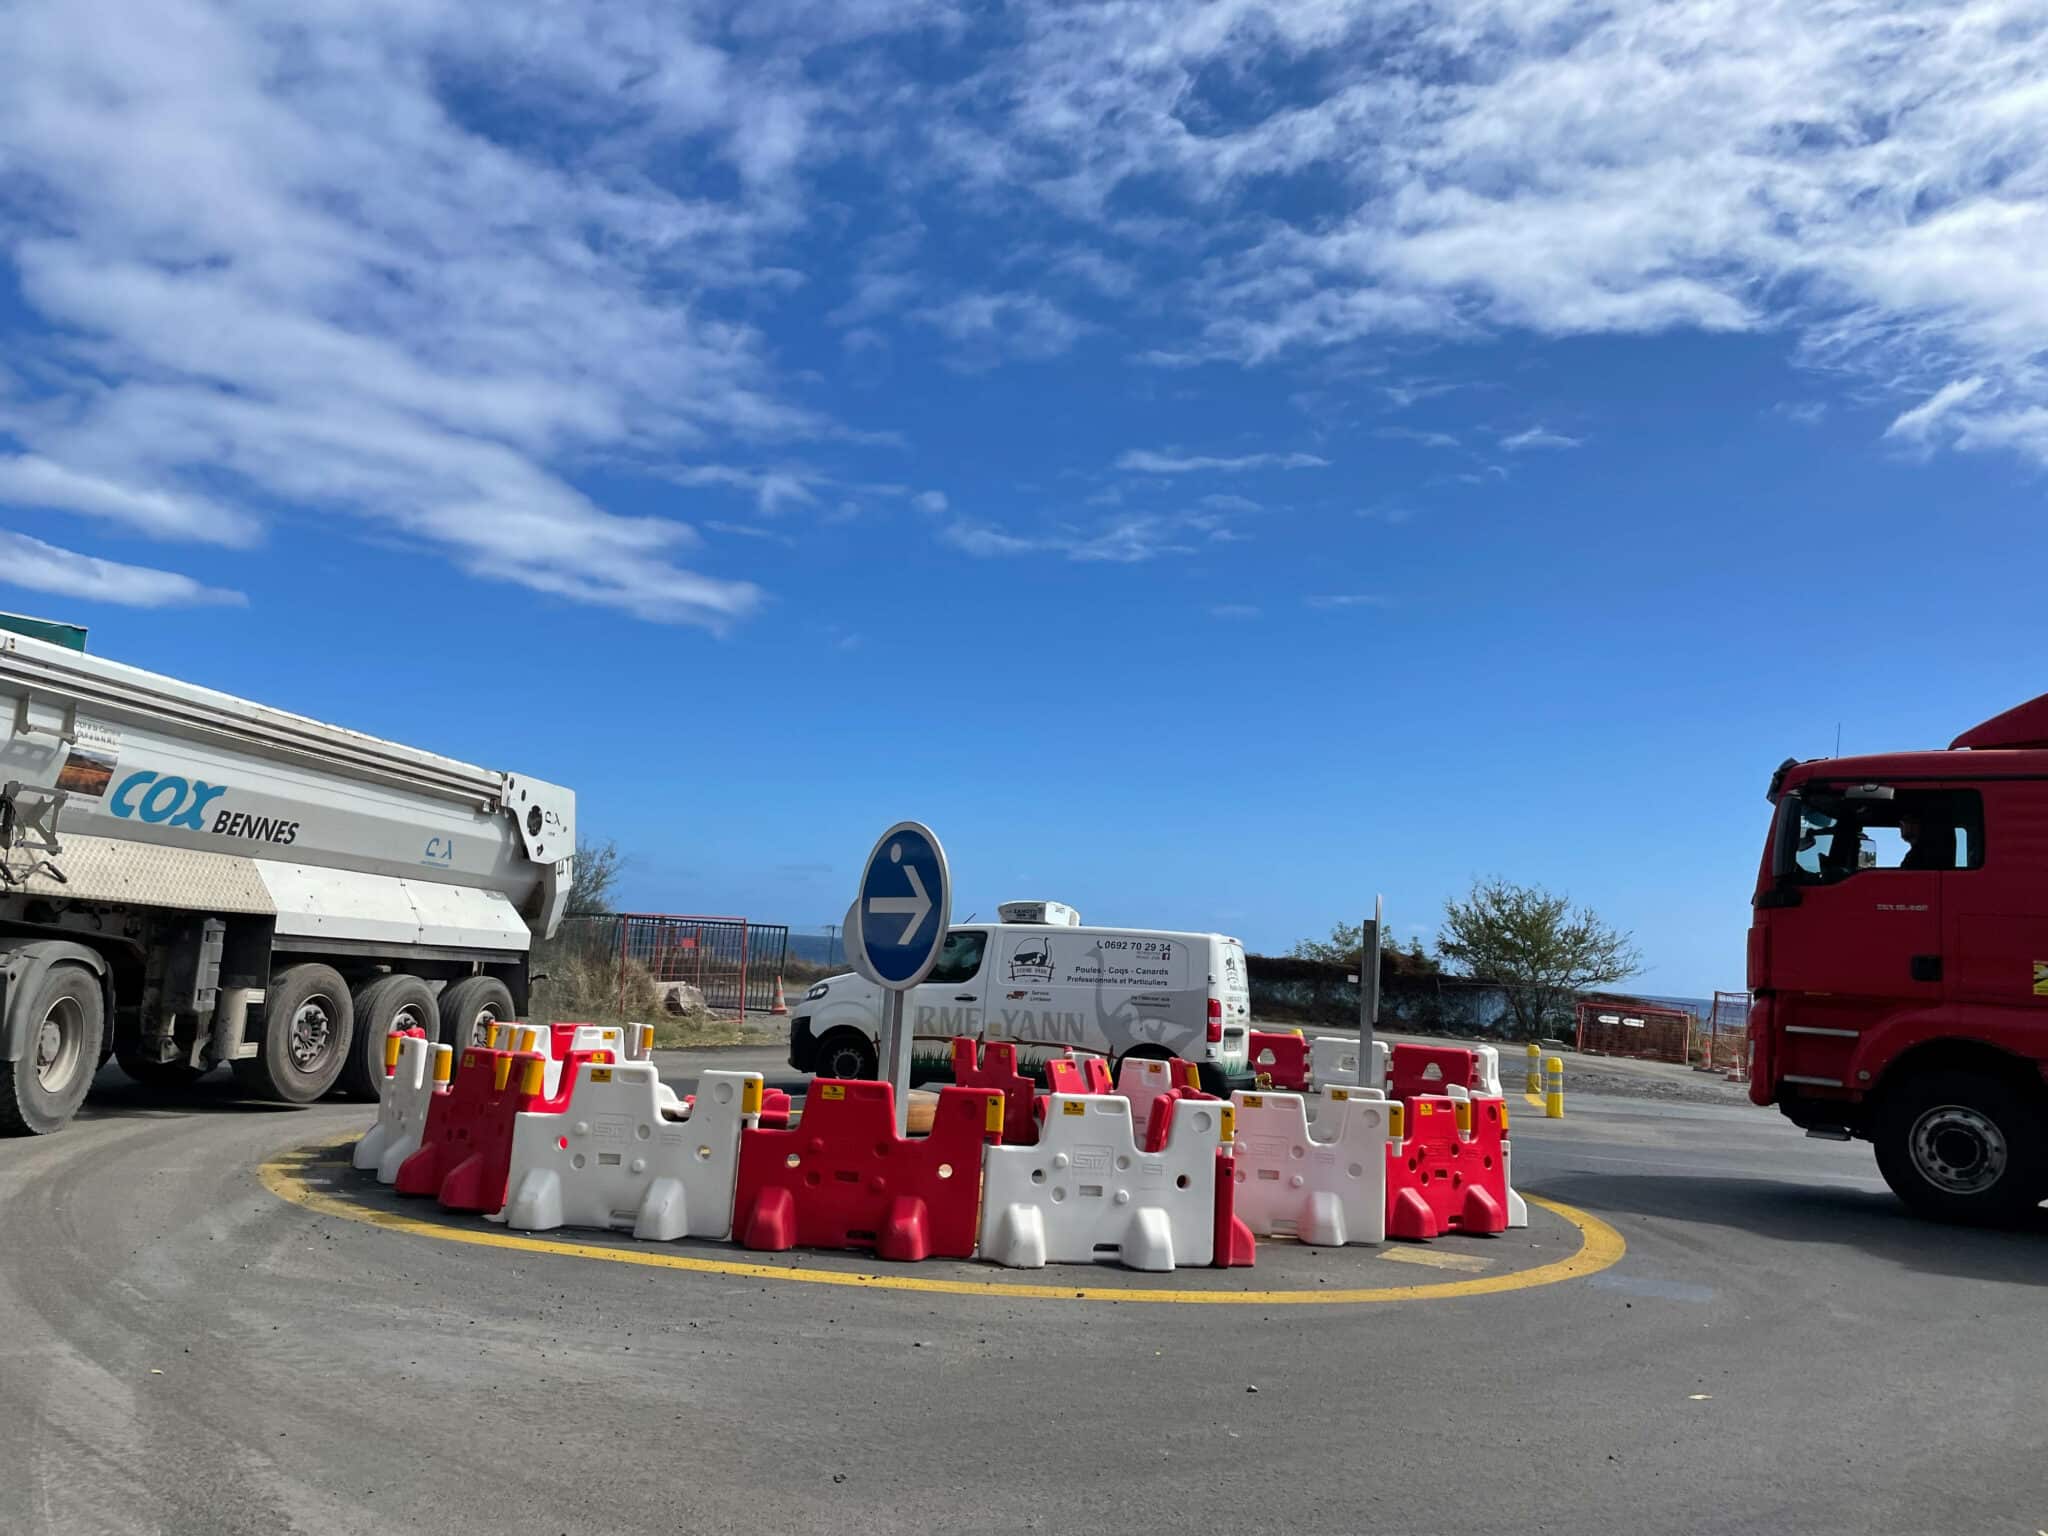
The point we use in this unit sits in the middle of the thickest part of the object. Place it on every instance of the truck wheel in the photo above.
(159, 1074)
(1962, 1147)
(846, 1053)
(468, 1010)
(385, 1003)
(66, 1021)
(308, 1027)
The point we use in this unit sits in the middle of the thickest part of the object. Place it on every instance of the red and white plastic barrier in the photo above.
(465, 1154)
(1447, 1168)
(624, 1156)
(1328, 1187)
(414, 1070)
(1142, 1079)
(842, 1177)
(994, 1066)
(1089, 1191)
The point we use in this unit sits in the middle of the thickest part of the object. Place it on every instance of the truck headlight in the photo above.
(816, 992)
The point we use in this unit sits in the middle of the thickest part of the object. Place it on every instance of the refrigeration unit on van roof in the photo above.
(1055, 914)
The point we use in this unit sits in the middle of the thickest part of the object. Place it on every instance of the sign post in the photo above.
(895, 930)
(1369, 989)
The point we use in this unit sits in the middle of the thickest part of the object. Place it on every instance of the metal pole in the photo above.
(898, 1043)
(1369, 991)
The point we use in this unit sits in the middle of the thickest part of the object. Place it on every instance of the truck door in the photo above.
(1995, 903)
(950, 1000)
(1856, 924)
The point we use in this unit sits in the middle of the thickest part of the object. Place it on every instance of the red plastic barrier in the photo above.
(843, 1178)
(1078, 1074)
(465, 1155)
(997, 1069)
(1415, 1070)
(1439, 1179)
(1236, 1247)
(1159, 1120)
(775, 1109)
(1281, 1059)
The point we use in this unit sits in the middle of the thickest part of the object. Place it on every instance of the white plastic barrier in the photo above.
(1489, 1072)
(1142, 1080)
(618, 1158)
(1086, 1192)
(1328, 1188)
(402, 1100)
(1333, 1060)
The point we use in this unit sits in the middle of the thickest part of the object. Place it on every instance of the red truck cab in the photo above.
(1899, 958)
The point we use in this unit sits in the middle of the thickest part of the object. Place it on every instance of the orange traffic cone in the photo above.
(780, 1005)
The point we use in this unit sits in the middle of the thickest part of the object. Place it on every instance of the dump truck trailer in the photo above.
(188, 879)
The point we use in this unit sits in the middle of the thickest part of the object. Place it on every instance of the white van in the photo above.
(1038, 977)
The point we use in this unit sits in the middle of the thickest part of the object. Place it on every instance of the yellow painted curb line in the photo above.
(1600, 1247)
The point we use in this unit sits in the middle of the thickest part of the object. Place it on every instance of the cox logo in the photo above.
(168, 798)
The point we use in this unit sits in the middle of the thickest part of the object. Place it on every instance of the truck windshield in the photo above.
(1841, 833)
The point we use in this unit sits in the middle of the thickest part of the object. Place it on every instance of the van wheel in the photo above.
(847, 1053)
(66, 1019)
(1962, 1147)
(399, 1002)
(308, 1026)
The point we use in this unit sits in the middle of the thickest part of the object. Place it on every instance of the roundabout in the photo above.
(1567, 1244)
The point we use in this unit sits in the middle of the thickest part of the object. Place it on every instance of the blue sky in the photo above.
(1211, 462)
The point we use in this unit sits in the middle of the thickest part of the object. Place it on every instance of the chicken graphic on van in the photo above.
(1031, 960)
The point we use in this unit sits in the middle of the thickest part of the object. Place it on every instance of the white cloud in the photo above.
(29, 481)
(40, 567)
(932, 502)
(1146, 462)
(279, 255)
(1537, 437)
(1226, 501)
(1416, 436)
(772, 489)
(1345, 600)
(1919, 422)
(986, 327)
(985, 542)
(1871, 178)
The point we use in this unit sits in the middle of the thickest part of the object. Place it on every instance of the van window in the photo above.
(1841, 833)
(960, 956)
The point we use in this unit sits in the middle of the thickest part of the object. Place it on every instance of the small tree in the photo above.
(1536, 945)
(598, 866)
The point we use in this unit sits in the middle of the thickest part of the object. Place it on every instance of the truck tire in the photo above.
(67, 1021)
(470, 1007)
(846, 1053)
(382, 1004)
(308, 1027)
(1963, 1147)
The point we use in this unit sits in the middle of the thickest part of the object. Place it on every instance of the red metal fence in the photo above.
(1627, 1026)
(726, 958)
(1724, 1037)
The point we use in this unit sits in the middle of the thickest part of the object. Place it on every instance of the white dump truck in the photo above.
(189, 879)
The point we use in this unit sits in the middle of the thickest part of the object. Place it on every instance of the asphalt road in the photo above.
(1780, 1349)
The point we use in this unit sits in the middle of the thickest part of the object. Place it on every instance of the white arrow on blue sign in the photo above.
(904, 907)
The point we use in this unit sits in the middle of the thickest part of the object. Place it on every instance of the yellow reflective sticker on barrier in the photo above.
(1073, 1107)
(468, 1060)
(1339, 1095)
(831, 1091)
(750, 1097)
(1424, 1107)
(501, 1072)
(600, 1074)
(992, 1120)
(1503, 1114)
(1253, 1101)
(535, 1081)
(1229, 1122)
(1463, 1110)
(1397, 1121)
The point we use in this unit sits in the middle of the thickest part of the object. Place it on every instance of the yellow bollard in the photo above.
(1553, 1088)
(1535, 1083)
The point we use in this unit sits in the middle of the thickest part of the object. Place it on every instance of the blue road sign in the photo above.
(905, 903)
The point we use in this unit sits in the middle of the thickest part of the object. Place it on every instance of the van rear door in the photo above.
(1234, 986)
